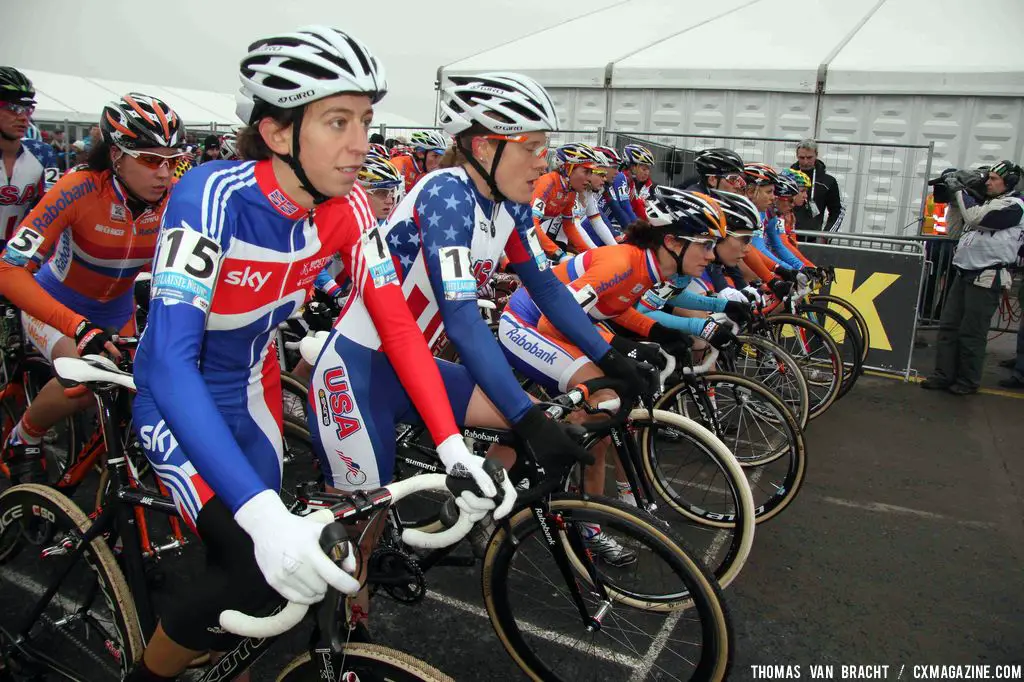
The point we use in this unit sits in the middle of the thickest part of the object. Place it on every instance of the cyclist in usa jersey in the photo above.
(240, 244)
(28, 166)
(447, 237)
(86, 241)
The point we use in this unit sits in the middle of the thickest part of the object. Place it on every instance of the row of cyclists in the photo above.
(235, 248)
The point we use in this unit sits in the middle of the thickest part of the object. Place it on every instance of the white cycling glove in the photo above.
(731, 294)
(288, 550)
(753, 295)
(459, 461)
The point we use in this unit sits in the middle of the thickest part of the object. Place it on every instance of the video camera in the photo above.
(952, 179)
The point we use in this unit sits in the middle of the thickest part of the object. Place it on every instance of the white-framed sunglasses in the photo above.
(152, 160)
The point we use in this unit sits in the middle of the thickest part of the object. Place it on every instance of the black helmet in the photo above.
(689, 214)
(1008, 171)
(16, 87)
(741, 216)
(718, 161)
(138, 121)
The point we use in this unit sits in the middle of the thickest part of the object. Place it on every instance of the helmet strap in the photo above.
(677, 257)
(478, 167)
(293, 161)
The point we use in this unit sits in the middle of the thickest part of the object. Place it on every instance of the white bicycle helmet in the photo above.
(290, 70)
(502, 102)
(229, 146)
(429, 141)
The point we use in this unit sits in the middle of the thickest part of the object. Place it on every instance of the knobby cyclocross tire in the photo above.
(779, 491)
(850, 312)
(25, 501)
(740, 521)
(522, 641)
(834, 323)
(367, 661)
(823, 391)
(765, 361)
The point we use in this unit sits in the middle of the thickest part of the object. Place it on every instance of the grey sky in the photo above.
(197, 43)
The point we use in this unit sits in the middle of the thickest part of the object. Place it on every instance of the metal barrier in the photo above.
(883, 278)
(883, 186)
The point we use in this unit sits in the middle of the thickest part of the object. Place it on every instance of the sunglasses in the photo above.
(383, 193)
(743, 238)
(154, 161)
(519, 139)
(735, 179)
(708, 243)
(18, 109)
(600, 172)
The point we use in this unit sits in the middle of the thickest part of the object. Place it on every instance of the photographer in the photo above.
(991, 215)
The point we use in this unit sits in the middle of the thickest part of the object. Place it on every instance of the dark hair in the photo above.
(376, 138)
(99, 157)
(644, 235)
(454, 156)
(250, 143)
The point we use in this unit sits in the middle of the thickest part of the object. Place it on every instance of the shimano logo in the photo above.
(296, 97)
(248, 278)
(530, 346)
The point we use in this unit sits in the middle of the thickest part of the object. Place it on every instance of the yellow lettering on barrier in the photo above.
(863, 299)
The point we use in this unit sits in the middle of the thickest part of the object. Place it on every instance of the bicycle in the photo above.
(109, 608)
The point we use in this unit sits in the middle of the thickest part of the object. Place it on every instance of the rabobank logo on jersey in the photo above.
(530, 346)
(66, 198)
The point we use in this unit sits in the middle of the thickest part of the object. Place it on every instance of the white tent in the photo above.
(77, 99)
(883, 72)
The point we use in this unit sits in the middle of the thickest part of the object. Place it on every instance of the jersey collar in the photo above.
(652, 266)
(272, 190)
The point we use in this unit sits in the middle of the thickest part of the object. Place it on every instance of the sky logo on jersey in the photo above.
(336, 403)
(54, 208)
(250, 278)
(530, 346)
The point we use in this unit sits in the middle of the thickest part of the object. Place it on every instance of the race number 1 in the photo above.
(457, 274)
(186, 268)
(586, 297)
(23, 246)
(378, 257)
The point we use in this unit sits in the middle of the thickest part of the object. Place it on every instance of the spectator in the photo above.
(824, 193)
(94, 138)
(211, 149)
(377, 138)
(992, 231)
(58, 143)
(80, 154)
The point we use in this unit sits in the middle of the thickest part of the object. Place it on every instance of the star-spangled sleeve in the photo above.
(547, 291)
(441, 212)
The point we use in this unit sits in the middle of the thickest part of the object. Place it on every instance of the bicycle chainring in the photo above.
(397, 573)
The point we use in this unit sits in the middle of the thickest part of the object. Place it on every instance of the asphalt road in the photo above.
(904, 548)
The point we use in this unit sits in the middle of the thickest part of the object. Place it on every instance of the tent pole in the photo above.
(67, 144)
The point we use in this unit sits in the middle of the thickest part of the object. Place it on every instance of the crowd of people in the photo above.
(237, 234)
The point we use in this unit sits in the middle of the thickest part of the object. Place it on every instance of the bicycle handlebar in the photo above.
(334, 540)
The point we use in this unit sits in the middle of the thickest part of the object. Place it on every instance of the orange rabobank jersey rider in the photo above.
(428, 146)
(554, 199)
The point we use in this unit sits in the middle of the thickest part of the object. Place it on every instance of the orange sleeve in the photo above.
(541, 194)
(32, 245)
(791, 244)
(756, 261)
(635, 321)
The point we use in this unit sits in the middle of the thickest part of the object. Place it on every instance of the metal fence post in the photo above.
(67, 145)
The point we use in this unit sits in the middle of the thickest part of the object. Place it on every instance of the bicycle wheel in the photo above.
(850, 312)
(712, 503)
(295, 396)
(365, 662)
(845, 335)
(300, 462)
(89, 629)
(64, 439)
(537, 621)
(816, 354)
(766, 362)
(758, 429)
